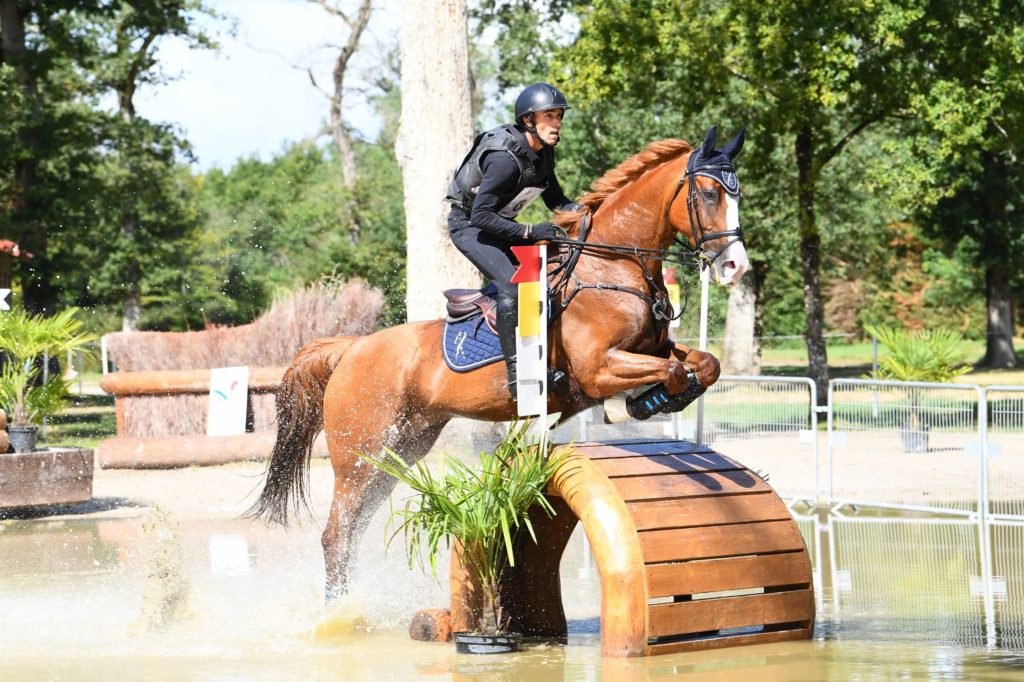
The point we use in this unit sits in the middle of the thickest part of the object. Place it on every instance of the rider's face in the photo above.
(548, 124)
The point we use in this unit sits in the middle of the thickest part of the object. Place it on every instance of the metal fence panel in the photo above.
(1008, 583)
(767, 423)
(905, 445)
(1005, 451)
(920, 577)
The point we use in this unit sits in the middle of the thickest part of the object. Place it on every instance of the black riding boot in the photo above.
(507, 317)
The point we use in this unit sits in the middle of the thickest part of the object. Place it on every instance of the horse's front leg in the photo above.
(703, 364)
(624, 371)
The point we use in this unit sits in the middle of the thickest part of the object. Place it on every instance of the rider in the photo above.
(505, 170)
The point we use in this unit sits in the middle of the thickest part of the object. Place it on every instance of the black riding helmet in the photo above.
(534, 98)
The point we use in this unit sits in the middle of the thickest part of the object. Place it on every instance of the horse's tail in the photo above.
(300, 418)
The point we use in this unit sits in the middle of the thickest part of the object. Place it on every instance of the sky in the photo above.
(247, 98)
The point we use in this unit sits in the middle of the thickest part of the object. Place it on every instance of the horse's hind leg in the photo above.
(359, 487)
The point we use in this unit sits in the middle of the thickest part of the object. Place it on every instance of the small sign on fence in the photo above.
(229, 391)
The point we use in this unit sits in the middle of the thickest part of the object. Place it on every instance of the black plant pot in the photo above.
(23, 438)
(470, 643)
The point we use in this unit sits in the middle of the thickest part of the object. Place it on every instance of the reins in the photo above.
(657, 300)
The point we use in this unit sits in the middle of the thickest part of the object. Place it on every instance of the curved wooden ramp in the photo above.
(694, 550)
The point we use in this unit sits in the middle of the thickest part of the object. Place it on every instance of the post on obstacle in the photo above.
(702, 342)
(532, 336)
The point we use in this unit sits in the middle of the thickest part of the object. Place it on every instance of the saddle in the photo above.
(465, 304)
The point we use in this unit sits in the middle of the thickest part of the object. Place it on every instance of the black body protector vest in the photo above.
(463, 188)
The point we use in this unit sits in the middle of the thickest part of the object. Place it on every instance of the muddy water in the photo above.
(147, 587)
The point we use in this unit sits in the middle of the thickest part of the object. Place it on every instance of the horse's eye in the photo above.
(709, 194)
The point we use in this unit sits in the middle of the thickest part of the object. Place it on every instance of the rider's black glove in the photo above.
(545, 231)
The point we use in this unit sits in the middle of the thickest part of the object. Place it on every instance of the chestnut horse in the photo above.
(393, 389)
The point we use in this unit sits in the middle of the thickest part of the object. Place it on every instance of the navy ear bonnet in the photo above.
(717, 163)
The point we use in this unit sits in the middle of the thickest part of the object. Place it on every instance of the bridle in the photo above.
(699, 234)
(694, 254)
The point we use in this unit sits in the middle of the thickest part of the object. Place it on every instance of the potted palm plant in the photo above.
(24, 339)
(933, 356)
(481, 511)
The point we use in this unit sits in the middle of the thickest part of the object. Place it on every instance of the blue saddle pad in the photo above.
(469, 344)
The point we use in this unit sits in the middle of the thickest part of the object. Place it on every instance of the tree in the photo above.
(144, 153)
(965, 139)
(813, 78)
(435, 133)
(51, 135)
(339, 130)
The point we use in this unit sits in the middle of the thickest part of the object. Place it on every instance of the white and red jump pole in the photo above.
(532, 337)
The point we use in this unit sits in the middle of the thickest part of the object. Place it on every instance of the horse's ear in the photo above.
(732, 150)
(708, 147)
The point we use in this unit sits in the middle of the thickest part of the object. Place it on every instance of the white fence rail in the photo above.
(906, 445)
(1004, 451)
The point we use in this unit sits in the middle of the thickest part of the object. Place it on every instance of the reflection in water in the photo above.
(229, 599)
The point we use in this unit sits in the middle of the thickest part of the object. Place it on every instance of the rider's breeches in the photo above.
(491, 256)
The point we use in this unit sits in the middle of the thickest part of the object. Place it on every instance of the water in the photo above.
(159, 579)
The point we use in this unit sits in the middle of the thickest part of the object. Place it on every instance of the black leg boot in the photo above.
(507, 317)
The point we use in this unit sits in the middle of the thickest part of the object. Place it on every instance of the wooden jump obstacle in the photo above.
(694, 551)
(132, 451)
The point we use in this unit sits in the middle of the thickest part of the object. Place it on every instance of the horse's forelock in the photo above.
(626, 172)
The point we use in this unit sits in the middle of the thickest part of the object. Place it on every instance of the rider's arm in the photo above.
(554, 198)
(499, 181)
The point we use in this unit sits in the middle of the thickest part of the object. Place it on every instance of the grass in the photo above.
(88, 420)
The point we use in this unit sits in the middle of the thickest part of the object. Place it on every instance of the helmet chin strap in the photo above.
(532, 129)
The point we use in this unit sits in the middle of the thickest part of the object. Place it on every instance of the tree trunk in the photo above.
(741, 350)
(435, 132)
(999, 351)
(810, 259)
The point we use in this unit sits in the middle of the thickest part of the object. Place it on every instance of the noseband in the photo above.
(699, 234)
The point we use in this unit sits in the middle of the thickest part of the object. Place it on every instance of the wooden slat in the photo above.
(709, 542)
(736, 573)
(667, 464)
(169, 382)
(708, 511)
(641, 448)
(707, 643)
(689, 485)
(731, 612)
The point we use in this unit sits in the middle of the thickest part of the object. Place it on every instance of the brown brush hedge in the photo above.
(324, 308)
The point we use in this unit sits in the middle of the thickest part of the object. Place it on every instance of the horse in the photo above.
(392, 389)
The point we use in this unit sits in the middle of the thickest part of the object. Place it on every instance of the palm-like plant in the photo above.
(482, 510)
(24, 337)
(936, 356)
(932, 355)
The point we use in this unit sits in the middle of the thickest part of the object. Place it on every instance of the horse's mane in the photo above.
(626, 172)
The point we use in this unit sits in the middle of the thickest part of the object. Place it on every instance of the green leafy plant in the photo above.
(935, 356)
(931, 355)
(24, 338)
(481, 510)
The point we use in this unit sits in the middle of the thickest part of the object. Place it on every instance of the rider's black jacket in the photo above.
(511, 175)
